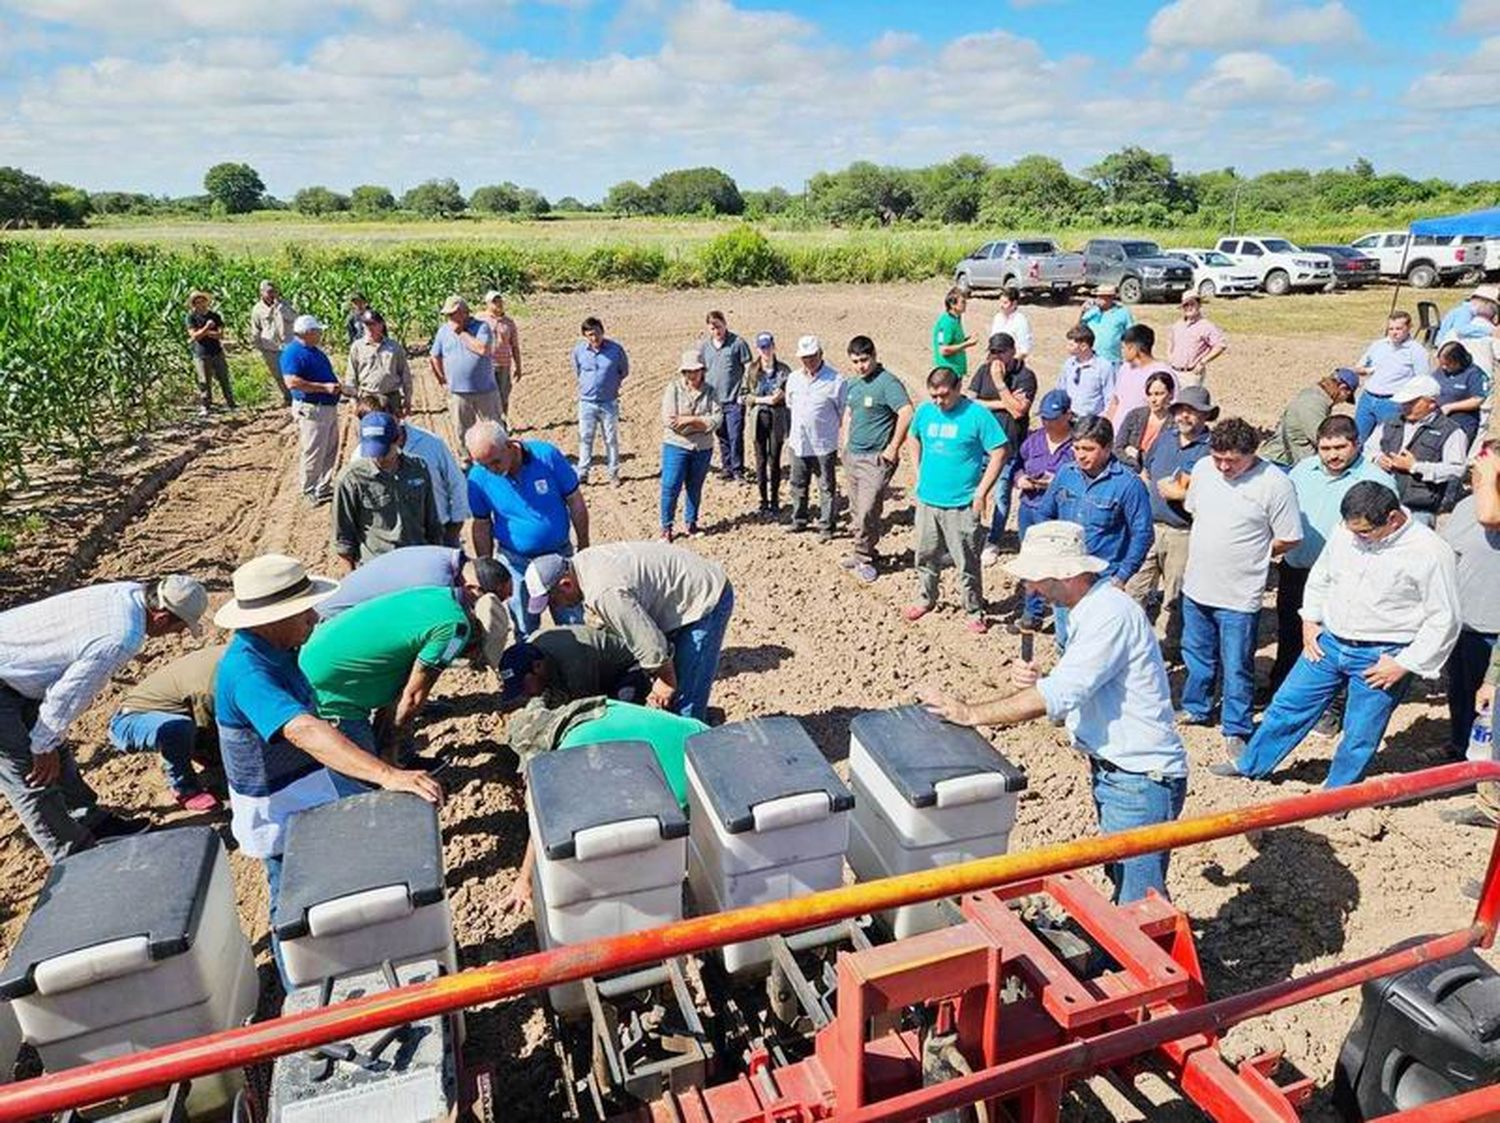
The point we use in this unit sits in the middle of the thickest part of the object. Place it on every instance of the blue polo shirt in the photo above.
(466, 372)
(311, 363)
(956, 445)
(1319, 495)
(258, 690)
(600, 372)
(1166, 458)
(528, 511)
(1108, 328)
(1114, 510)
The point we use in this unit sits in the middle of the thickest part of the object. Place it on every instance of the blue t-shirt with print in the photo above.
(528, 511)
(956, 445)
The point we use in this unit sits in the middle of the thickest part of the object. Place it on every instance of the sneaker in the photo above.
(915, 611)
(1234, 747)
(866, 573)
(989, 555)
(850, 561)
(1469, 816)
(1023, 623)
(692, 530)
(977, 625)
(118, 826)
(197, 801)
(796, 528)
(666, 534)
(1184, 717)
(1329, 725)
(1224, 768)
(825, 535)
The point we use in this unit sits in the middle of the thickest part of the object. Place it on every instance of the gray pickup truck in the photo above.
(1032, 265)
(1138, 269)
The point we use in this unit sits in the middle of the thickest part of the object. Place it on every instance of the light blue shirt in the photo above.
(1089, 383)
(1111, 688)
(1391, 365)
(1318, 497)
(467, 372)
(1108, 328)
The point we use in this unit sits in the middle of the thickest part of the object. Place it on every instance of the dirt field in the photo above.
(807, 640)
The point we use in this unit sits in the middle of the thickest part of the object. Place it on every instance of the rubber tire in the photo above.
(1207, 290)
(1277, 283)
(1331, 286)
(1421, 276)
(1130, 290)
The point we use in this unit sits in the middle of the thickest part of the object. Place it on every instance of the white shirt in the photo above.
(1455, 453)
(1402, 589)
(62, 651)
(1017, 326)
(450, 488)
(1111, 686)
(1234, 524)
(817, 405)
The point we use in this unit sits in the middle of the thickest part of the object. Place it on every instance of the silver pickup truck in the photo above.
(1032, 265)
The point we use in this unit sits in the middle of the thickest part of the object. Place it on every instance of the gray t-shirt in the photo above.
(1478, 553)
(726, 366)
(645, 590)
(1234, 523)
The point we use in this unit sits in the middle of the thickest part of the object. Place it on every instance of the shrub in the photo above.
(742, 256)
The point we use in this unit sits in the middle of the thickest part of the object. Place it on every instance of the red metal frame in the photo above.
(106, 1080)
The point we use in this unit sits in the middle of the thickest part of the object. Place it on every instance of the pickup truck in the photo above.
(1138, 269)
(1281, 265)
(1032, 265)
(1423, 260)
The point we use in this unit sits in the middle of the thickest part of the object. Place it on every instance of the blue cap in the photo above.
(515, 665)
(1349, 378)
(1055, 403)
(765, 339)
(378, 434)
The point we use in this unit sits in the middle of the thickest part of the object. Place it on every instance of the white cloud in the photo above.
(895, 45)
(1478, 15)
(1469, 83)
(1228, 24)
(161, 19)
(1253, 78)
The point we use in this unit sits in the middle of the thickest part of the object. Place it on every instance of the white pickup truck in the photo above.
(1281, 265)
(1423, 260)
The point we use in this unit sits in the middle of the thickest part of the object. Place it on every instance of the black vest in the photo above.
(1427, 446)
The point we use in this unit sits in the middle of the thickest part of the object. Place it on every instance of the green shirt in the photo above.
(873, 402)
(1295, 437)
(949, 332)
(375, 512)
(360, 660)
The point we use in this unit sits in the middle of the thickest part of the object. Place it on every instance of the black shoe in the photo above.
(1466, 817)
(119, 826)
(796, 528)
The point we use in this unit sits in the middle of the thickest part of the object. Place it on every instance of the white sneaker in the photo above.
(989, 555)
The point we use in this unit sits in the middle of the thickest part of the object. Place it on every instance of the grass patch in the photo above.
(15, 527)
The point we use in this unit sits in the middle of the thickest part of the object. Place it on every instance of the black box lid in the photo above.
(746, 763)
(917, 751)
(591, 786)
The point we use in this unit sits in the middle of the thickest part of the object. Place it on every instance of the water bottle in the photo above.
(1481, 738)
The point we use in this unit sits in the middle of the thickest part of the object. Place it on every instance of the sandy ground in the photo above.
(806, 640)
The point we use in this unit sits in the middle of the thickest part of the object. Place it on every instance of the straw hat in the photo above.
(269, 588)
(1054, 549)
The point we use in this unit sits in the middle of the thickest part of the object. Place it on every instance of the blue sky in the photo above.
(571, 96)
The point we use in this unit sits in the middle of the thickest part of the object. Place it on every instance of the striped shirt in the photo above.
(62, 651)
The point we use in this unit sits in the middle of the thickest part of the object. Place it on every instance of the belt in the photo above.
(1372, 394)
(1156, 775)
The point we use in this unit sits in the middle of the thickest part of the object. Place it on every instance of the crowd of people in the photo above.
(1147, 531)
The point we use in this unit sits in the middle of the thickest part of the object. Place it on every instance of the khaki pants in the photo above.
(272, 359)
(1166, 562)
(1487, 800)
(949, 533)
(867, 477)
(318, 432)
(469, 408)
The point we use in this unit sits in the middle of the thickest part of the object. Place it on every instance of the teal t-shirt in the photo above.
(949, 332)
(955, 449)
(873, 403)
(1108, 328)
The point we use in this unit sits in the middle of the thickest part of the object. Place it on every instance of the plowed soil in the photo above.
(806, 640)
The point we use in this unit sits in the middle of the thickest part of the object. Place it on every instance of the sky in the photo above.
(571, 96)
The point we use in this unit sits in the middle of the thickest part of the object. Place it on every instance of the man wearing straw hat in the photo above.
(205, 331)
(279, 756)
(1110, 687)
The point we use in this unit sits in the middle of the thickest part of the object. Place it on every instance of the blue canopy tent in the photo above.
(1485, 223)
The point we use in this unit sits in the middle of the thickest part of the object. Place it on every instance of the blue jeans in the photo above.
(273, 883)
(682, 467)
(731, 434)
(592, 416)
(695, 657)
(1304, 696)
(1033, 605)
(1123, 800)
(1466, 667)
(1219, 643)
(1370, 411)
(1003, 484)
(525, 620)
(171, 735)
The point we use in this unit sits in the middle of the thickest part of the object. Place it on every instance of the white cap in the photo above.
(185, 598)
(489, 296)
(1421, 386)
(808, 345)
(306, 323)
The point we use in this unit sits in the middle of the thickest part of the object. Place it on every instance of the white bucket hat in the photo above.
(1054, 549)
(269, 588)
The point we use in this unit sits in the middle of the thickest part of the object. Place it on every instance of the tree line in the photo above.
(1129, 188)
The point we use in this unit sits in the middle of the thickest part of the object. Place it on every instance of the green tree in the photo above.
(534, 203)
(763, 204)
(437, 198)
(370, 198)
(499, 198)
(629, 198)
(235, 187)
(952, 192)
(1037, 189)
(570, 203)
(862, 194)
(695, 191)
(1133, 175)
(319, 201)
(26, 200)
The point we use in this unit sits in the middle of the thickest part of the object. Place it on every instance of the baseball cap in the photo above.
(185, 598)
(1002, 341)
(453, 304)
(491, 294)
(306, 323)
(541, 575)
(1349, 378)
(1422, 386)
(515, 665)
(1055, 403)
(765, 339)
(691, 360)
(1189, 296)
(378, 434)
(809, 345)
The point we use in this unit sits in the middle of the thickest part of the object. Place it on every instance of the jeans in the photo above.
(273, 884)
(171, 735)
(682, 467)
(1003, 485)
(525, 620)
(1466, 667)
(768, 442)
(1306, 693)
(803, 468)
(1033, 605)
(1219, 643)
(695, 657)
(731, 434)
(591, 417)
(58, 816)
(1370, 411)
(1123, 800)
(1291, 587)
